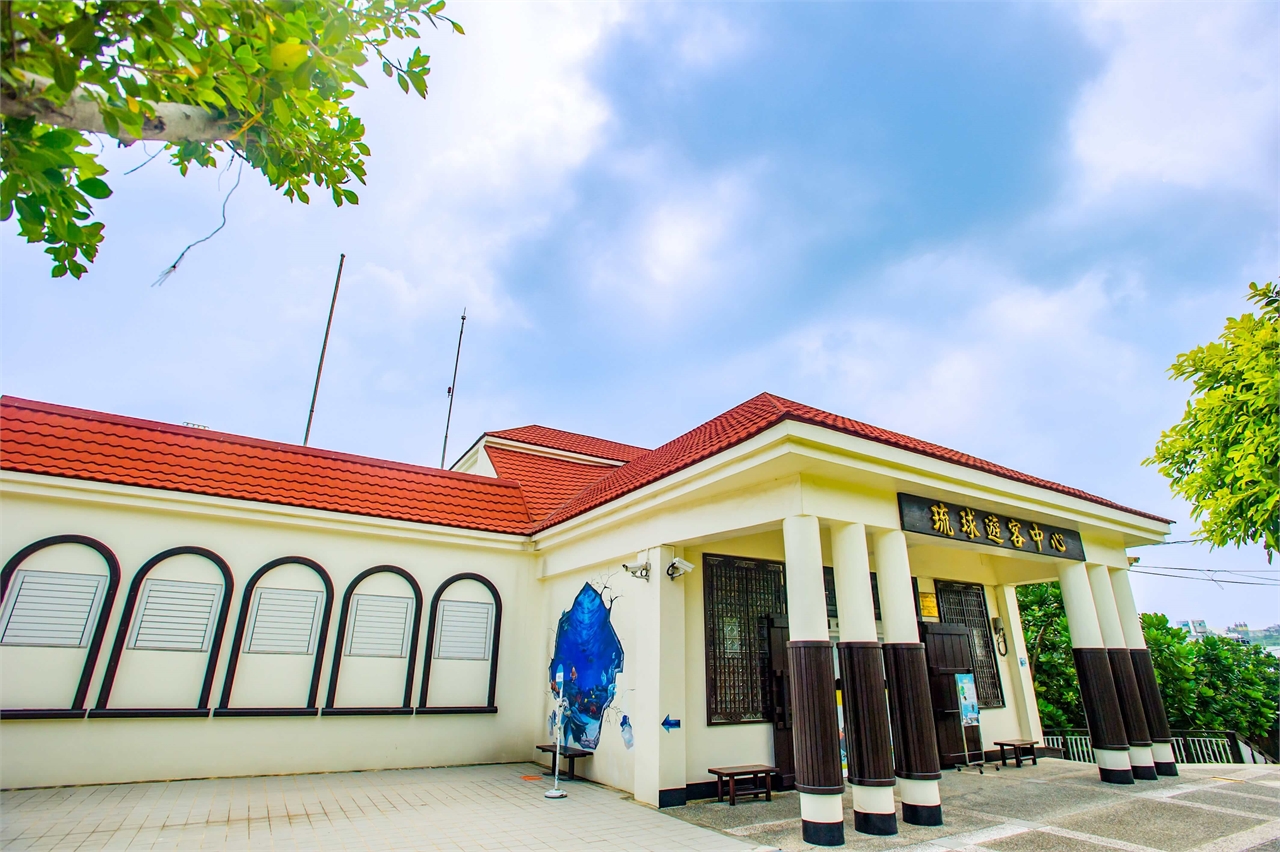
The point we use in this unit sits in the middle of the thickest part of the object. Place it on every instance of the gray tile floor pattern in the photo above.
(458, 809)
(1058, 806)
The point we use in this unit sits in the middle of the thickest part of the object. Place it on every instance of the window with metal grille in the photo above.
(284, 621)
(51, 608)
(829, 581)
(379, 626)
(738, 596)
(175, 615)
(464, 630)
(962, 603)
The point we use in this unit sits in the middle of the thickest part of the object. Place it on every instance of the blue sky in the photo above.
(988, 225)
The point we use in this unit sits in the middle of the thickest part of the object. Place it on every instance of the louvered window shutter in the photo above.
(379, 626)
(464, 630)
(175, 615)
(284, 621)
(51, 608)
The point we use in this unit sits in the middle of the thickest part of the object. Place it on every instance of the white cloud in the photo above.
(1187, 96)
(457, 181)
(683, 240)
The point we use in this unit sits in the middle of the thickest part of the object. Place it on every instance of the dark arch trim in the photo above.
(237, 641)
(99, 630)
(490, 707)
(122, 631)
(410, 667)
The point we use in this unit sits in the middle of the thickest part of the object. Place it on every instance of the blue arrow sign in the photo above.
(670, 723)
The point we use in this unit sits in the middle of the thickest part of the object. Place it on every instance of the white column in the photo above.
(856, 609)
(1086, 633)
(898, 618)
(897, 599)
(658, 656)
(1131, 623)
(1024, 685)
(821, 815)
(852, 565)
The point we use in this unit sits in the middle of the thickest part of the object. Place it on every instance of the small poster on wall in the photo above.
(967, 691)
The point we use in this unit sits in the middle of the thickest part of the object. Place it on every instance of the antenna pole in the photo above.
(342, 258)
(456, 357)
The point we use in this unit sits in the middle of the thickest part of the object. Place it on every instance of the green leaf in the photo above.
(404, 83)
(288, 56)
(94, 188)
(457, 27)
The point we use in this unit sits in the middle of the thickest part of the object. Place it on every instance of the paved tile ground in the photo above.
(1058, 805)
(1055, 806)
(461, 808)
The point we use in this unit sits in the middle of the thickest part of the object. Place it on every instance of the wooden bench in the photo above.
(761, 781)
(1018, 754)
(566, 753)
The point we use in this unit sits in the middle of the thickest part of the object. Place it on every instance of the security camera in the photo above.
(641, 570)
(677, 567)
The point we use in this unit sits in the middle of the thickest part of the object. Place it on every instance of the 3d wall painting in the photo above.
(588, 649)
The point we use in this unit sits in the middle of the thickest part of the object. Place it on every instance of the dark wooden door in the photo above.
(948, 652)
(779, 677)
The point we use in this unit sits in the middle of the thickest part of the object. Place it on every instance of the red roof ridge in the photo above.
(747, 420)
(570, 442)
(244, 440)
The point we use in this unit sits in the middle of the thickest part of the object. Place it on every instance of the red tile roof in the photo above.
(755, 416)
(547, 482)
(535, 492)
(571, 442)
(52, 439)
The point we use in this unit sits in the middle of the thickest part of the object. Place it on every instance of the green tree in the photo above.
(1173, 658)
(1052, 666)
(268, 82)
(1224, 456)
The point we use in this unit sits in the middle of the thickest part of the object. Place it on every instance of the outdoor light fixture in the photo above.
(677, 567)
(1002, 641)
(641, 570)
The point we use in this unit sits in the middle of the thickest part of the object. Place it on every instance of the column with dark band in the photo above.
(815, 728)
(1131, 712)
(1145, 672)
(866, 715)
(1093, 670)
(915, 748)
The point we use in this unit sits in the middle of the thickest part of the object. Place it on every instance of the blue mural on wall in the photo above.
(588, 649)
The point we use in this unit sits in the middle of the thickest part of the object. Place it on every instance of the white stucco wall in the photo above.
(136, 525)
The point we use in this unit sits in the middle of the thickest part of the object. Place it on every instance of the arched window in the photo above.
(54, 611)
(463, 631)
(178, 611)
(278, 625)
(374, 625)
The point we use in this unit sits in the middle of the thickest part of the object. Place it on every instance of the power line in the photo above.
(1203, 579)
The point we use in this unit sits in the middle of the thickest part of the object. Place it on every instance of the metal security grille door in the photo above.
(284, 621)
(379, 626)
(175, 615)
(50, 608)
(464, 630)
(738, 597)
(963, 603)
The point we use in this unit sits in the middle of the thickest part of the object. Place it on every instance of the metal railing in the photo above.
(1074, 743)
(1188, 746)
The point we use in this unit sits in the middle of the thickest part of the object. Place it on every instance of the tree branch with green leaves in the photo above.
(267, 82)
(1224, 455)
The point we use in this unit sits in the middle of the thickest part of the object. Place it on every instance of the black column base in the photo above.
(1116, 776)
(878, 824)
(1145, 773)
(1169, 770)
(921, 814)
(823, 833)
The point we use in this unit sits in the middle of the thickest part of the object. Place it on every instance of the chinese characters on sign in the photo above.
(945, 519)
